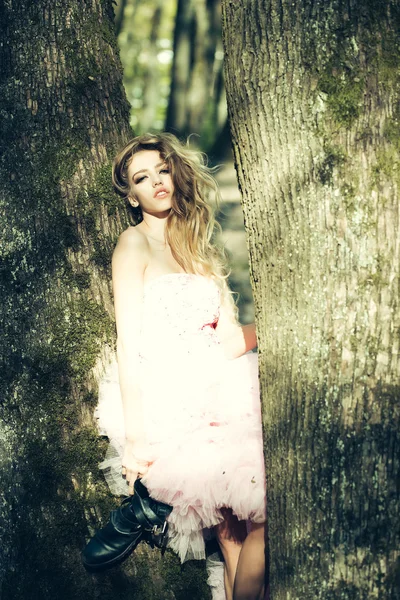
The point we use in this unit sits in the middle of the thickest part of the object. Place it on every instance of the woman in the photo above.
(191, 411)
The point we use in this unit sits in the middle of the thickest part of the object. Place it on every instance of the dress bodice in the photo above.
(180, 312)
(181, 356)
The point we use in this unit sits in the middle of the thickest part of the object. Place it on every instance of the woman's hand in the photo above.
(132, 466)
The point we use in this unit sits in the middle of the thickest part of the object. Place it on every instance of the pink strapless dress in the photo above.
(202, 415)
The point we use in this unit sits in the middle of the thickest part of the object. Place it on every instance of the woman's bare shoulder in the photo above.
(133, 238)
(132, 250)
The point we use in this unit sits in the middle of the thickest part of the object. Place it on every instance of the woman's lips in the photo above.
(160, 193)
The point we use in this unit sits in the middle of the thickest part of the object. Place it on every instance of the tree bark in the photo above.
(64, 114)
(313, 99)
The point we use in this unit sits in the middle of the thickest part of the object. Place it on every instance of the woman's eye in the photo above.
(166, 170)
(140, 179)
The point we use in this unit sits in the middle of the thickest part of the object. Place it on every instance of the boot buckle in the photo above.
(159, 530)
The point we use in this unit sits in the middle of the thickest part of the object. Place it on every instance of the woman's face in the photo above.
(151, 183)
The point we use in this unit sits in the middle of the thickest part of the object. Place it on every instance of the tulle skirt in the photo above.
(204, 444)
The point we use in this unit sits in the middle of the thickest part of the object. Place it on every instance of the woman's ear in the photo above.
(133, 202)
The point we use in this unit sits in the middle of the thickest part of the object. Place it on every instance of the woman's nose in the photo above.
(157, 180)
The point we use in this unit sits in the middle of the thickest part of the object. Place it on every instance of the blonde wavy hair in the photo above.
(191, 227)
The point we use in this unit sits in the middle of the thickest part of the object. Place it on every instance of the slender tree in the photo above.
(119, 15)
(313, 95)
(151, 78)
(196, 71)
(64, 113)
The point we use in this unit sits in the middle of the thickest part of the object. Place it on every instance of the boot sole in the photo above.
(93, 568)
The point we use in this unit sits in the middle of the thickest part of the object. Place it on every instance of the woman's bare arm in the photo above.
(128, 265)
(236, 339)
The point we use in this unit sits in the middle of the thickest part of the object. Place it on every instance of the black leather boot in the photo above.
(138, 518)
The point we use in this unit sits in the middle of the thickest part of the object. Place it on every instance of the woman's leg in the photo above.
(231, 534)
(250, 573)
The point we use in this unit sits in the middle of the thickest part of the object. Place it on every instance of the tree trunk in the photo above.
(313, 98)
(184, 24)
(151, 79)
(64, 114)
(195, 70)
(119, 16)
